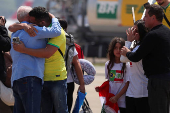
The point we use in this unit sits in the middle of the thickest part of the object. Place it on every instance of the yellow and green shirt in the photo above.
(55, 66)
(167, 13)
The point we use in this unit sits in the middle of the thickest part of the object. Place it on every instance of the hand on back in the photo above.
(30, 29)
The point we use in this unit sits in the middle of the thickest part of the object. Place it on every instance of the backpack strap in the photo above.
(66, 56)
(70, 36)
(60, 52)
(82, 56)
(166, 19)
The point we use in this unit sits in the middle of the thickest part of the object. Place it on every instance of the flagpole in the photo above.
(133, 14)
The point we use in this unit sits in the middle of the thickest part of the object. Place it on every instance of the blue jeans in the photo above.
(27, 93)
(54, 93)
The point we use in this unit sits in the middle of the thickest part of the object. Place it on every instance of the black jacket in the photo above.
(154, 51)
(5, 45)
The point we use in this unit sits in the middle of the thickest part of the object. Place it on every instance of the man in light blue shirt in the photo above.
(28, 71)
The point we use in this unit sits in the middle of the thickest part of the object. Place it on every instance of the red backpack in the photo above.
(79, 50)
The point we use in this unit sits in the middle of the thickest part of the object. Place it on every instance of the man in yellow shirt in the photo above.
(55, 88)
(165, 4)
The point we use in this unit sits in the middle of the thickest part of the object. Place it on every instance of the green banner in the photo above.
(106, 10)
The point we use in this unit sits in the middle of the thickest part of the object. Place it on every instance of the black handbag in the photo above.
(85, 107)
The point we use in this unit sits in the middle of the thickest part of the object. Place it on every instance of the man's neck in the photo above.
(165, 4)
(156, 24)
(48, 24)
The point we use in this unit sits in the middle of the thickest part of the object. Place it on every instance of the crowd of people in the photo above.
(143, 61)
(138, 69)
(39, 76)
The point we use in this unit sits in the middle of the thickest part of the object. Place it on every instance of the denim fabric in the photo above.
(54, 93)
(27, 93)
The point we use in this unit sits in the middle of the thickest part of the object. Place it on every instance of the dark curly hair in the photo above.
(40, 13)
(111, 55)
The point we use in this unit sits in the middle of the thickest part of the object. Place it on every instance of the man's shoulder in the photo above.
(63, 33)
(58, 39)
(2, 27)
(19, 32)
(156, 3)
(159, 31)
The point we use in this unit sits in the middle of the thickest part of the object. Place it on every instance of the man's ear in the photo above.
(154, 17)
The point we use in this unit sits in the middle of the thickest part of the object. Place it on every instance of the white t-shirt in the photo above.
(69, 77)
(138, 81)
(117, 81)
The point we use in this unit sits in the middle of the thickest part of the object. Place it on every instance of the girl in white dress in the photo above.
(117, 73)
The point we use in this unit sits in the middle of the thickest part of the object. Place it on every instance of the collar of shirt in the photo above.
(50, 25)
(25, 22)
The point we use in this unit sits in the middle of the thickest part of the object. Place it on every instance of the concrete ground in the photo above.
(92, 96)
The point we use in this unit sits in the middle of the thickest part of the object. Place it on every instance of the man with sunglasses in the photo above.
(5, 45)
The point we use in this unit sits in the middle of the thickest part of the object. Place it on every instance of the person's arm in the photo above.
(52, 46)
(124, 59)
(42, 53)
(79, 73)
(130, 37)
(29, 28)
(49, 32)
(42, 32)
(144, 49)
(115, 98)
(16, 26)
(5, 41)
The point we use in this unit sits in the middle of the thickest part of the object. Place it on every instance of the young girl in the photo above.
(117, 74)
(137, 93)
